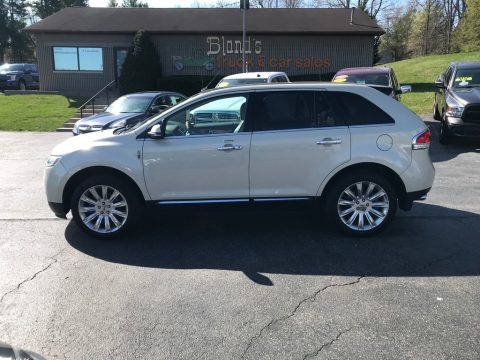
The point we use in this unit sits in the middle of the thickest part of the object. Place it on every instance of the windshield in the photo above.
(11, 67)
(363, 79)
(467, 78)
(233, 82)
(131, 104)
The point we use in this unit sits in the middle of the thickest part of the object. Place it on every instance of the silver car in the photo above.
(356, 151)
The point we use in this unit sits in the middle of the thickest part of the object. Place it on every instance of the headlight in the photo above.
(455, 111)
(75, 127)
(52, 160)
(119, 123)
(12, 77)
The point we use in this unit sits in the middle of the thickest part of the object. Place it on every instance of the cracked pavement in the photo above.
(265, 284)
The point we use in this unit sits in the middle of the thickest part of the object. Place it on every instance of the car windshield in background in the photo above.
(11, 67)
(233, 82)
(133, 104)
(467, 78)
(363, 79)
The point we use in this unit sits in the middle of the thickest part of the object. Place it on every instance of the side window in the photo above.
(354, 110)
(175, 99)
(282, 79)
(327, 111)
(216, 116)
(275, 79)
(162, 101)
(448, 75)
(394, 80)
(281, 110)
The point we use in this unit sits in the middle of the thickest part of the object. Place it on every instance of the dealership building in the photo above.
(81, 49)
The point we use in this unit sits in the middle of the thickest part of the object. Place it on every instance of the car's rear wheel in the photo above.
(361, 204)
(105, 206)
(436, 113)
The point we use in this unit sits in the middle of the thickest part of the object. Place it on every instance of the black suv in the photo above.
(18, 77)
(457, 101)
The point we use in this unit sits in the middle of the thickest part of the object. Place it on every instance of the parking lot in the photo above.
(237, 284)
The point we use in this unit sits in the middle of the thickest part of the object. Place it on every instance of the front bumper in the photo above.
(458, 127)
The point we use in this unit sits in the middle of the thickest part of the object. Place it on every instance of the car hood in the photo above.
(84, 142)
(105, 118)
(11, 72)
(466, 96)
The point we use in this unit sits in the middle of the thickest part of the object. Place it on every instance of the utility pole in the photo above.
(244, 5)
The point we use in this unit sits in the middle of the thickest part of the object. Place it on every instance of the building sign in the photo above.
(221, 45)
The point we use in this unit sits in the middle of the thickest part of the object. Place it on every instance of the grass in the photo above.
(35, 112)
(421, 73)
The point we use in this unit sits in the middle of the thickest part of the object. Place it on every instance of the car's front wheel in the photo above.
(445, 136)
(22, 85)
(104, 206)
(361, 204)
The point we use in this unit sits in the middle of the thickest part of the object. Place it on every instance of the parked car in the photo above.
(381, 78)
(128, 110)
(358, 152)
(253, 78)
(457, 101)
(18, 76)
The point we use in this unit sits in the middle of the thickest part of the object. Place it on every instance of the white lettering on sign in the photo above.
(220, 45)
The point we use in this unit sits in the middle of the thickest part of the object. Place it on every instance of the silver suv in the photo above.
(357, 152)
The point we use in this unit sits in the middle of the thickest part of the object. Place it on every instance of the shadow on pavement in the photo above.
(429, 241)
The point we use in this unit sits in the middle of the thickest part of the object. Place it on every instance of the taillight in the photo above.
(422, 140)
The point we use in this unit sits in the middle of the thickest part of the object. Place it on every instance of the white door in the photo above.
(204, 153)
(297, 142)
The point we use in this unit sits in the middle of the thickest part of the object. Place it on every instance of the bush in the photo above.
(141, 68)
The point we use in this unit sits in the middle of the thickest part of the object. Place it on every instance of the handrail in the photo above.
(92, 99)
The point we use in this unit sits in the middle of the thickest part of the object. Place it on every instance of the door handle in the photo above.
(228, 147)
(329, 141)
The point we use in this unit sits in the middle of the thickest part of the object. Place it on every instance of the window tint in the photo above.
(354, 109)
(327, 111)
(216, 116)
(448, 75)
(175, 99)
(280, 110)
(162, 101)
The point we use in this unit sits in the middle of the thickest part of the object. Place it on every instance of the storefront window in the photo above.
(77, 59)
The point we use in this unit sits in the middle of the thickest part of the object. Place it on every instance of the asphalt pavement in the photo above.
(241, 284)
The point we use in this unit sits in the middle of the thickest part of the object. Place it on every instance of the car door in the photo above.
(297, 141)
(204, 153)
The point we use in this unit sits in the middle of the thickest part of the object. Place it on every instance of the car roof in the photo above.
(151, 93)
(466, 64)
(254, 75)
(364, 70)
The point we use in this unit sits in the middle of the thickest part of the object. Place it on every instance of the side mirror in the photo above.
(154, 110)
(439, 83)
(405, 88)
(156, 132)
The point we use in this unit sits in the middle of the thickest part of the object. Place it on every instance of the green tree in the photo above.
(133, 4)
(44, 8)
(141, 68)
(467, 36)
(13, 40)
(112, 3)
(397, 34)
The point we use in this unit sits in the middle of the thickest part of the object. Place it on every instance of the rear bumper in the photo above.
(406, 202)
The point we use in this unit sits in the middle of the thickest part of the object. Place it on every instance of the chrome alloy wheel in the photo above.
(103, 209)
(363, 206)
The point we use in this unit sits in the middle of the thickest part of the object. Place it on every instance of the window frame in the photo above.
(78, 59)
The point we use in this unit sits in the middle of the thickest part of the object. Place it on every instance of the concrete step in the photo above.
(64, 129)
(69, 125)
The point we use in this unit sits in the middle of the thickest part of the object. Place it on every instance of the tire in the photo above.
(348, 201)
(22, 86)
(436, 113)
(445, 135)
(105, 206)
